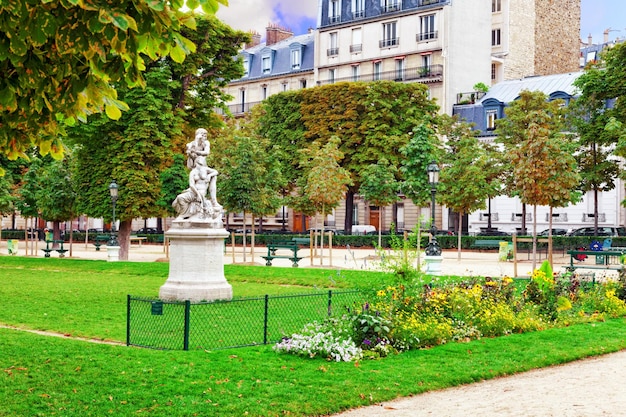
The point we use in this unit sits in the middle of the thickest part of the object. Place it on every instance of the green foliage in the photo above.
(56, 197)
(419, 152)
(174, 180)
(482, 87)
(59, 61)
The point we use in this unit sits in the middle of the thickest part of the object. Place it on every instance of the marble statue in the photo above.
(193, 203)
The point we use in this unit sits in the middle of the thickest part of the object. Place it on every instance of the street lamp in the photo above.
(113, 190)
(433, 248)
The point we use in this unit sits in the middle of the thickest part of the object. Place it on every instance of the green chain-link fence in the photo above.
(225, 324)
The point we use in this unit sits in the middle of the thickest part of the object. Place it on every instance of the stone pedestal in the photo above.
(196, 263)
(433, 264)
(113, 253)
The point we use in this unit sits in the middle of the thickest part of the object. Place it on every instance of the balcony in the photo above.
(356, 48)
(469, 98)
(427, 36)
(430, 74)
(237, 109)
(421, 3)
(388, 43)
(589, 217)
(393, 7)
(358, 14)
(334, 19)
(332, 52)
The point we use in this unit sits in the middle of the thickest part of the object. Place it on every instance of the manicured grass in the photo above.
(55, 376)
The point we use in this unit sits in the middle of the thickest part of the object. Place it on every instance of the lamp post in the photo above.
(433, 248)
(113, 190)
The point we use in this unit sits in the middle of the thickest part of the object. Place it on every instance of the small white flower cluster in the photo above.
(315, 341)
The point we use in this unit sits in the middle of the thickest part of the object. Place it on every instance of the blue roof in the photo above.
(508, 91)
(280, 53)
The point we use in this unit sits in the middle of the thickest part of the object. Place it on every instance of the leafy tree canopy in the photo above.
(59, 60)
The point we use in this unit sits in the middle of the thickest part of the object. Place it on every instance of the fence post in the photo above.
(187, 314)
(267, 300)
(330, 299)
(128, 309)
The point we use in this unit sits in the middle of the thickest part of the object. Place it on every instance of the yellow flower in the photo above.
(381, 293)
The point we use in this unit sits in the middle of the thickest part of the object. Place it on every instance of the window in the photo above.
(295, 59)
(334, 49)
(495, 37)
(494, 72)
(389, 35)
(356, 72)
(492, 116)
(264, 91)
(358, 9)
(496, 6)
(246, 66)
(357, 41)
(334, 12)
(426, 64)
(266, 64)
(427, 28)
(399, 69)
(303, 83)
(242, 100)
(378, 70)
(332, 73)
(285, 86)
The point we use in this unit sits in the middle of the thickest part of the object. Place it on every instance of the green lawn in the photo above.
(45, 376)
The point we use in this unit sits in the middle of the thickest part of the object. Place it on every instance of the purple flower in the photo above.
(367, 342)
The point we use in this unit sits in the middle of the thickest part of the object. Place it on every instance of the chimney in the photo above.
(256, 39)
(275, 34)
(606, 35)
(589, 40)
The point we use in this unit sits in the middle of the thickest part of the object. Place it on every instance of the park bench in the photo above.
(50, 247)
(138, 239)
(605, 259)
(292, 245)
(486, 244)
(100, 240)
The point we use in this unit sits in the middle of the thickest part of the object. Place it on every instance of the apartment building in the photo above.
(283, 62)
(440, 43)
(534, 37)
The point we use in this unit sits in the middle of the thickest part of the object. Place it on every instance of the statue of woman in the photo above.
(192, 203)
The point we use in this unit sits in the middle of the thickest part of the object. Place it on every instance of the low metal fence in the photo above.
(233, 323)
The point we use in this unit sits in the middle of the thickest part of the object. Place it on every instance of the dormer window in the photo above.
(266, 63)
(246, 65)
(296, 55)
(334, 12)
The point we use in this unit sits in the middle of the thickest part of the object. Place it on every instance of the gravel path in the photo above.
(586, 388)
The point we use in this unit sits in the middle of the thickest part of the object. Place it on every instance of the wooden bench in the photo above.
(486, 244)
(605, 259)
(138, 239)
(100, 240)
(50, 247)
(273, 247)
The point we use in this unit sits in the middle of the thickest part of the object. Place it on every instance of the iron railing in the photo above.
(432, 73)
(228, 324)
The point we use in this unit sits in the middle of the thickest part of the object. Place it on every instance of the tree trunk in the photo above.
(244, 237)
(550, 237)
(534, 237)
(123, 237)
(595, 211)
(347, 227)
(460, 232)
(523, 231)
(380, 227)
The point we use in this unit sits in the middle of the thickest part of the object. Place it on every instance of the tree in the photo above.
(373, 120)
(465, 178)
(174, 179)
(60, 60)
(326, 182)
(132, 150)
(543, 167)
(249, 179)
(380, 187)
(588, 114)
(56, 196)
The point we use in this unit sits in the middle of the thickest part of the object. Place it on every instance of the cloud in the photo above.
(257, 14)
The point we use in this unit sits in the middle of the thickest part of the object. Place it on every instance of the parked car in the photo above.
(602, 231)
(493, 232)
(555, 232)
(146, 231)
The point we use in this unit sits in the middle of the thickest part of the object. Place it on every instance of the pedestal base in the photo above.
(113, 253)
(433, 264)
(196, 263)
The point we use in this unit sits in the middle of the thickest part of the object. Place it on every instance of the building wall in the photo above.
(557, 34)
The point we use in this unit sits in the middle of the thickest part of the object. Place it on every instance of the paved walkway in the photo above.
(471, 263)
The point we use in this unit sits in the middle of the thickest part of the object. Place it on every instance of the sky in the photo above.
(300, 15)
